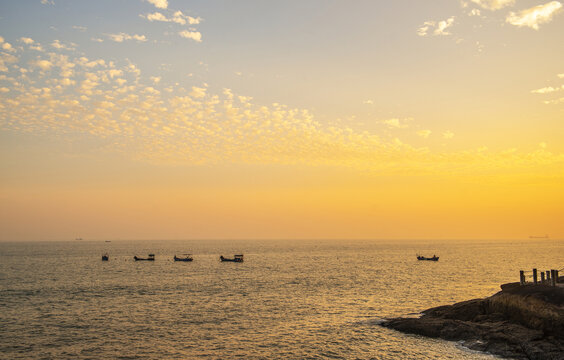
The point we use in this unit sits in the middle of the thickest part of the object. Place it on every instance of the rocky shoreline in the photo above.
(519, 322)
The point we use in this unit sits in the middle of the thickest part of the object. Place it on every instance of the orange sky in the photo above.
(299, 120)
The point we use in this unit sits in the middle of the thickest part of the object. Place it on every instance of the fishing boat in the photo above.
(236, 258)
(184, 257)
(105, 257)
(151, 257)
(434, 258)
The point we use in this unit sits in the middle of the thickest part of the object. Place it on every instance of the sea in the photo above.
(289, 299)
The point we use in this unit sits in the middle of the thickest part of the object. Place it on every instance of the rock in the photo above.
(520, 322)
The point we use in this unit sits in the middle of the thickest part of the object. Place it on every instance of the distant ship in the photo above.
(78, 239)
(538, 237)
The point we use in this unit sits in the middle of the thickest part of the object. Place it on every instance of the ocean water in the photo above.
(288, 300)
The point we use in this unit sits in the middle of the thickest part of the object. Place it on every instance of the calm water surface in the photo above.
(288, 300)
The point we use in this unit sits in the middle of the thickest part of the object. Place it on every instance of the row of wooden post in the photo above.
(551, 277)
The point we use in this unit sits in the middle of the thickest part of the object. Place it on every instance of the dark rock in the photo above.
(520, 322)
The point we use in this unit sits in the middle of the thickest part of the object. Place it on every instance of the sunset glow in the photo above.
(218, 119)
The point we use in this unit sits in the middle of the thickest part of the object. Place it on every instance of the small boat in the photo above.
(184, 257)
(434, 258)
(236, 258)
(105, 257)
(150, 258)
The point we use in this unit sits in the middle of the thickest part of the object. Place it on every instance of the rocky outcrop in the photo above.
(520, 322)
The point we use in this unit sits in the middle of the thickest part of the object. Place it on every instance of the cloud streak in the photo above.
(535, 16)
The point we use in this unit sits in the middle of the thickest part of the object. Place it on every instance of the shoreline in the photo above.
(519, 322)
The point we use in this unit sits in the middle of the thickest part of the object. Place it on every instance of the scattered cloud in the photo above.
(26, 40)
(368, 102)
(194, 35)
(554, 101)
(561, 76)
(121, 37)
(547, 90)
(48, 2)
(493, 4)
(110, 104)
(436, 28)
(80, 28)
(178, 17)
(395, 123)
(534, 16)
(160, 4)
(448, 134)
(60, 46)
(424, 133)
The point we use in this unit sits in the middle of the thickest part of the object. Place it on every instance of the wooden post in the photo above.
(548, 275)
(556, 276)
(542, 277)
(553, 277)
(521, 277)
(535, 278)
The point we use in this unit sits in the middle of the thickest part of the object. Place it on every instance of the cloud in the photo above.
(561, 76)
(368, 102)
(448, 134)
(26, 40)
(424, 133)
(44, 65)
(121, 37)
(110, 105)
(178, 17)
(546, 90)
(555, 101)
(48, 2)
(534, 16)
(198, 92)
(395, 123)
(80, 28)
(194, 35)
(493, 4)
(60, 46)
(436, 28)
(160, 4)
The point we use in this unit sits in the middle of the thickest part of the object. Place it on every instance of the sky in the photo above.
(156, 119)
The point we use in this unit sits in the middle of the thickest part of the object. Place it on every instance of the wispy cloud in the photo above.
(535, 16)
(424, 133)
(547, 90)
(121, 37)
(493, 4)
(395, 123)
(178, 17)
(436, 28)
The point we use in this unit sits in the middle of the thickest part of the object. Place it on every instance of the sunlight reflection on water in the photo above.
(289, 299)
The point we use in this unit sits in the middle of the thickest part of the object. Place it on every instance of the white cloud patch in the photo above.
(194, 35)
(121, 37)
(493, 4)
(436, 28)
(159, 4)
(178, 17)
(534, 16)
